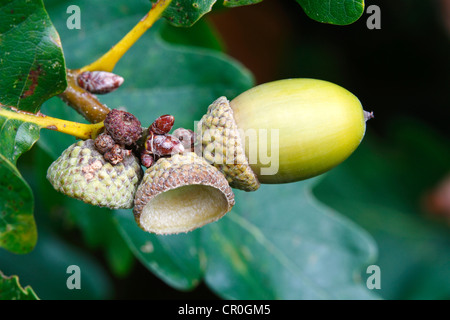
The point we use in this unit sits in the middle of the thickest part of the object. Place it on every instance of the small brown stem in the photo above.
(84, 102)
(368, 115)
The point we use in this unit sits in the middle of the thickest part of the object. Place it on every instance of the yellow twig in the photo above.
(78, 130)
(108, 61)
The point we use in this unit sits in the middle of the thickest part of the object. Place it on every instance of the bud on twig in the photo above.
(147, 159)
(99, 82)
(163, 145)
(162, 124)
(186, 138)
(116, 154)
(123, 127)
(103, 143)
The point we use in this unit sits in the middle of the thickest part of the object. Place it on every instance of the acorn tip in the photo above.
(368, 115)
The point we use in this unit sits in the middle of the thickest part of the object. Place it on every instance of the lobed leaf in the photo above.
(383, 189)
(238, 3)
(32, 70)
(281, 243)
(46, 269)
(176, 259)
(184, 13)
(17, 227)
(340, 12)
(10, 289)
(32, 67)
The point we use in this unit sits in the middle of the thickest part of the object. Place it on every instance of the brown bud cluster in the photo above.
(159, 142)
(122, 130)
(116, 154)
(112, 152)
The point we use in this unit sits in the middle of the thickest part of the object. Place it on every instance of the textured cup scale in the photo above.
(180, 194)
(81, 172)
(220, 142)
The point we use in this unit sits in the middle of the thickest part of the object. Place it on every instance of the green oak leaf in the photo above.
(281, 243)
(32, 67)
(340, 12)
(45, 269)
(201, 34)
(383, 188)
(10, 289)
(17, 227)
(32, 70)
(175, 259)
(184, 13)
(238, 3)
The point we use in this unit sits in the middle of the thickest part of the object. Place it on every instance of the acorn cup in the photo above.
(82, 172)
(282, 131)
(181, 193)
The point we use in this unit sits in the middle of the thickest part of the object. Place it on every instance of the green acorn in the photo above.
(282, 131)
(82, 172)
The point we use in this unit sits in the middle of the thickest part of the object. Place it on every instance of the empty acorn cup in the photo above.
(181, 193)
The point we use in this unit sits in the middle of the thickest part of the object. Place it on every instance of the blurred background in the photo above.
(396, 186)
(401, 70)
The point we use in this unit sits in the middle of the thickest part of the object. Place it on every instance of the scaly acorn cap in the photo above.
(81, 172)
(180, 194)
(220, 142)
